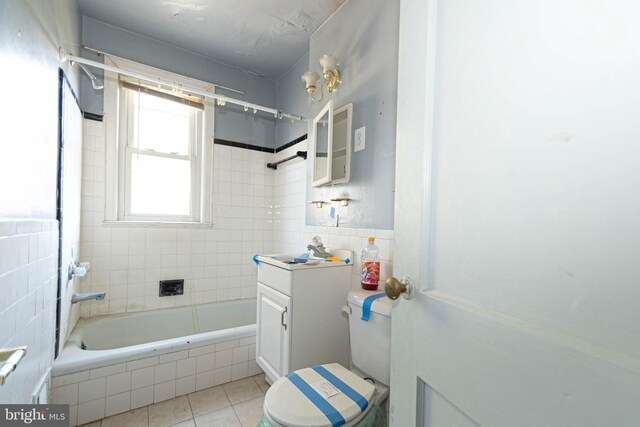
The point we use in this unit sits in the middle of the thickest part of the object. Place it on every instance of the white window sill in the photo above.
(157, 224)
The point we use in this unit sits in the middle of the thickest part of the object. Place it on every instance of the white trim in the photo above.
(116, 178)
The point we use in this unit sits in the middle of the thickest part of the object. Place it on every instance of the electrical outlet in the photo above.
(359, 139)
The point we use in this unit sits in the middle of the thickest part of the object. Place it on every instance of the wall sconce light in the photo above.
(331, 77)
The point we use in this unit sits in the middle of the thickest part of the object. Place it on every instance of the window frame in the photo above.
(118, 153)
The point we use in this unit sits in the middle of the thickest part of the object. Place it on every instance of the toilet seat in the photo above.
(285, 404)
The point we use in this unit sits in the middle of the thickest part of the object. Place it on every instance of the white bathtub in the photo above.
(112, 364)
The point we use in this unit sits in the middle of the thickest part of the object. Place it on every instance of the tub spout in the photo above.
(87, 296)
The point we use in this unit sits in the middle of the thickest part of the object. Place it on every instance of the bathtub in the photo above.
(112, 364)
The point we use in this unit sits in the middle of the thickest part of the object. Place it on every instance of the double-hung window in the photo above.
(161, 165)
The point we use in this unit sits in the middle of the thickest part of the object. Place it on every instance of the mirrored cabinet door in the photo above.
(322, 145)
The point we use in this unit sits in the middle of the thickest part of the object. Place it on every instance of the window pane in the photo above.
(160, 185)
(160, 124)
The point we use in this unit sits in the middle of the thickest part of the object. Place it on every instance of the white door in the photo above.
(273, 332)
(518, 214)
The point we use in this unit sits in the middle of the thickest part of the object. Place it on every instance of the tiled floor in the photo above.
(235, 404)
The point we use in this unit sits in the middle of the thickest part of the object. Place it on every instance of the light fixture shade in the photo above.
(329, 62)
(310, 78)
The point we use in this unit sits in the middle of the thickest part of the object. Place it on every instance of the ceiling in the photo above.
(262, 36)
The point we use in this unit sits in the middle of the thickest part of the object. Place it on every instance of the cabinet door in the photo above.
(273, 331)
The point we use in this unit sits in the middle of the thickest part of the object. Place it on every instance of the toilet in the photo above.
(307, 397)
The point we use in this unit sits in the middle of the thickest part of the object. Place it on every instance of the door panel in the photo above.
(517, 223)
(272, 343)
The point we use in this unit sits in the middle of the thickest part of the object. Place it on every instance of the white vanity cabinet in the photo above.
(299, 315)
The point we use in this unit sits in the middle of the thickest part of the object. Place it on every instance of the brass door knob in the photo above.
(393, 288)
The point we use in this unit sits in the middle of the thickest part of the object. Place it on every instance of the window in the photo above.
(158, 169)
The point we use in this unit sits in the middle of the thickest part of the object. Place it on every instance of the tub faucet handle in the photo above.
(78, 269)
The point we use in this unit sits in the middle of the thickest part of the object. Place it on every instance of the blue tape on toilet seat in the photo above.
(366, 305)
(255, 259)
(343, 387)
(327, 409)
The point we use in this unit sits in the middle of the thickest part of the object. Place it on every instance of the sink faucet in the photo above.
(318, 248)
(87, 296)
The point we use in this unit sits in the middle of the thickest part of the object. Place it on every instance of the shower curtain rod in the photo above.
(106, 54)
(64, 55)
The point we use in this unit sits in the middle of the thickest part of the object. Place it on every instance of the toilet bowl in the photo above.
(330, 394)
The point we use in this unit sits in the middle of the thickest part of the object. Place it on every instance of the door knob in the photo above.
(394, 288)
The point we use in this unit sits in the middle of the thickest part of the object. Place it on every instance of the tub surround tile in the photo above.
(185, 385)
(176, 355)
(239, 371)
(227, 345)
(202, 350)
(250, 412)
(165, 372)
(67, 394)
(142, 363)
(222, 375)
(242, 390)
(205, 362)
(70, 379)
(209, 400)
(225, 417)
(164, 391)
(91, 411)
(141, 397)
(168, 413)
(204, 380)
(118, 383)
(240, 354)
(224, 358)
(135, 418)
(186, 367)
(143, 377)
(92, 389)
(118, 403)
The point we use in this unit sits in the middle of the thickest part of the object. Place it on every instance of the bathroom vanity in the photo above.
(299, 314)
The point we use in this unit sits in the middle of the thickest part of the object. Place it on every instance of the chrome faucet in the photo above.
(318, 248)
(87, 296)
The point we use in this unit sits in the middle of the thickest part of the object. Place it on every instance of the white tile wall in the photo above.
(128, 262)
(28, 287)
(256, 210)
(289, 201)
(102, 392)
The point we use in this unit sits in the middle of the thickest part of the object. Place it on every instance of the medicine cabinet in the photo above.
(331, 144)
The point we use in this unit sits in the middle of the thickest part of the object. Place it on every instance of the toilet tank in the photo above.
(371, 340)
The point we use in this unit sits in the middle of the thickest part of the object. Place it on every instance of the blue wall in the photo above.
(30, 34)
(363, 34)
(232, 123)
(292, 97)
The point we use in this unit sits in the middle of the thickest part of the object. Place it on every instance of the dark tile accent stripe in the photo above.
(257, 147)
(90, 116)
(242, 145)
(291, 143)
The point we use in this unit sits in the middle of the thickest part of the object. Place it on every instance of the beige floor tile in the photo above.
(223, 418)
(250, 412)
(262, 382)
(93, 424)
(136, 418)
(169, 412)
(242, 390)
(188, 423)
(208, 400)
